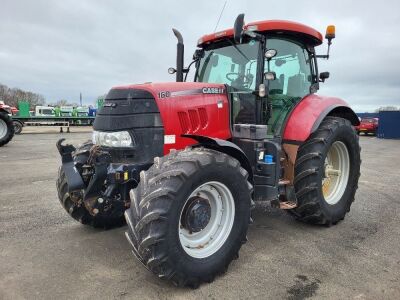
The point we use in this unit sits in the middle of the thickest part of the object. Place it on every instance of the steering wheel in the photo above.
(246, 80)
(229, 76)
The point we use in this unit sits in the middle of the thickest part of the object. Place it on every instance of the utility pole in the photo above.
(80, 98)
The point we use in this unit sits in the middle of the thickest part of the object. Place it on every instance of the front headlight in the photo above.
(112, 139)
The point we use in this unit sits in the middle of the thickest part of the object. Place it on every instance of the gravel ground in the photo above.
(44, 254)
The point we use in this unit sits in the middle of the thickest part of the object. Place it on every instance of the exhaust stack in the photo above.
(179, 55)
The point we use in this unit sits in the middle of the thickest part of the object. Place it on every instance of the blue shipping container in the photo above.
(389, 125)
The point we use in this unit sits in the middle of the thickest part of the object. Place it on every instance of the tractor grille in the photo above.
(135, 111)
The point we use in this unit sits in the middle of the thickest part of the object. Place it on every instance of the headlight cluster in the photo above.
(112, 139)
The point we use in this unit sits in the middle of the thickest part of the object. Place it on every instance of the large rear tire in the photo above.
(74, 205)
(6, 128)
(327, 169)
(189, 215)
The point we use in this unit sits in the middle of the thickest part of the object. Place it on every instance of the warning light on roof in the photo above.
(330, 32)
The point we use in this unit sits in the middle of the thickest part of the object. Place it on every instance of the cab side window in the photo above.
(292, 66)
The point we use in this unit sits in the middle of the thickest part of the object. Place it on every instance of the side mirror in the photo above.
(198, 53)
(270, 75)
(323, 76)
(238, 29)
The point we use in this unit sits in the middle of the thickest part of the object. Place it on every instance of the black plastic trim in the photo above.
(341, 111)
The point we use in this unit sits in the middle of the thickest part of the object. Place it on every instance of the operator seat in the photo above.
(295, 86)
(276, 86)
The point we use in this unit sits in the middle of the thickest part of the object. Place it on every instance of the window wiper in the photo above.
(236, 47)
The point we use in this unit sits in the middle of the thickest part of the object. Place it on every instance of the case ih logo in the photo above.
(212, 90)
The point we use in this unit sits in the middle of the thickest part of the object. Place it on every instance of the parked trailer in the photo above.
(20, 121)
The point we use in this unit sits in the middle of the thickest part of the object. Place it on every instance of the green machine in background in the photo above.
(23, 108)
(57, 111)
(100, 103)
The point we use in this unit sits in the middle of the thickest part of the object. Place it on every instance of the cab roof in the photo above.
(312, 36)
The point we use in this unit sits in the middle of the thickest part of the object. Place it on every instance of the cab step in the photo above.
(284, 182)
(287, 205)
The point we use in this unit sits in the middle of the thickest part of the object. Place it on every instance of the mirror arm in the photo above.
(326, 56)
(254, 35)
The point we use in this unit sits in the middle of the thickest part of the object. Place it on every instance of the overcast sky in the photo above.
(61, 48)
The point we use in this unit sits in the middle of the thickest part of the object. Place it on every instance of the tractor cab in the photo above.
(268, 67)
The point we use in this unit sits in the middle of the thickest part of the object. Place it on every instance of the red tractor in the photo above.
(6, 124)
(186, 161)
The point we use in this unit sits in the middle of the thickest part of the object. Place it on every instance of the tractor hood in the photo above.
(176, 89)
(177, 108)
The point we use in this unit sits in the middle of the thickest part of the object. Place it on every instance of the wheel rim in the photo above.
(210, 227)
(336, 172)
(3, 129)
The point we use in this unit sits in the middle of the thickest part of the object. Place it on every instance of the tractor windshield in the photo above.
(228, 63)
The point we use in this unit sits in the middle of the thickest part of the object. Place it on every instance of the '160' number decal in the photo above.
(164, 94)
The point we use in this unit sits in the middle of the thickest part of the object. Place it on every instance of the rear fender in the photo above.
(305, 119)
(223, 146)
(310, 112)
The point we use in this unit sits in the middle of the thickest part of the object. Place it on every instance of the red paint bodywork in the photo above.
(305, 114)
(217, 119)
(268, 25)
(298, 126)
(7, 108)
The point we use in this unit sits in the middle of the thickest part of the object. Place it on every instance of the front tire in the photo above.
(6, 128)
(189, 215)
(327, 169)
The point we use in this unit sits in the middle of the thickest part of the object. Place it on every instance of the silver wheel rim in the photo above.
(210, 239)
(336, 173)
(3, 129)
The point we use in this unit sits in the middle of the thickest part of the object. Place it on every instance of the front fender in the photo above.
(308, 114)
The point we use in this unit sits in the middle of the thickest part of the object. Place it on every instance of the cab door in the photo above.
(294, 79)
